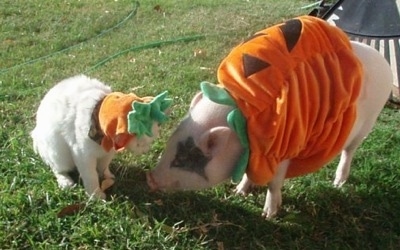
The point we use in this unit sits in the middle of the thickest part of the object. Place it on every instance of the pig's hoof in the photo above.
(241, 191)
(338, 184)
(342, 174)
(271, 210)
(272, 204)
(269, 214)
(243, 188)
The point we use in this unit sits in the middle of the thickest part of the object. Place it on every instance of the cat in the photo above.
(68, 134)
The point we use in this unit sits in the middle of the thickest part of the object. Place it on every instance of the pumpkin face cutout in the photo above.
(296, 84)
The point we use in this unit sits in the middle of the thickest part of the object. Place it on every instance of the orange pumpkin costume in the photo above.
(296, 84)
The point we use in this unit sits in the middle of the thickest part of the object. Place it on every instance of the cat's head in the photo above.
(141, 144)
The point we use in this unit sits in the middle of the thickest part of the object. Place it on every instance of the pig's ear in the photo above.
(214, 140)
(196, 99)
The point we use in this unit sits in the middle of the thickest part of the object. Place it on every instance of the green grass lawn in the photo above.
(167, 45)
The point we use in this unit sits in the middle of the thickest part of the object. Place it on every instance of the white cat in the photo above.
(68, 135)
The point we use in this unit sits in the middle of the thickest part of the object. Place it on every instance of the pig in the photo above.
(205, 149)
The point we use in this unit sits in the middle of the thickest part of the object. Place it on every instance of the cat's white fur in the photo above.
(61, 134)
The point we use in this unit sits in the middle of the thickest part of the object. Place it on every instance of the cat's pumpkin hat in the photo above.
(295, 87)
(121, 117)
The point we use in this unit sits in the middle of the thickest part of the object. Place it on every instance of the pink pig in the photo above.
(205, 150)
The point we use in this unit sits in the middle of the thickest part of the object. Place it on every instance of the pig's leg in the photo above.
(343, 169)
(243, 187)
(274, 196)
(374, 93)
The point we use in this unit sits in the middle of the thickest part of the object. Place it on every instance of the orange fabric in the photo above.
(301, 103)
(113, 119)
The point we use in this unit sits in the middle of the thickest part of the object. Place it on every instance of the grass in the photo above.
(69, 38)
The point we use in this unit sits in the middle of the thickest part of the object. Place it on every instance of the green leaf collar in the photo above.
(236, 121)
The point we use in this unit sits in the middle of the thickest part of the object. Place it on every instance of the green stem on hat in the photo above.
(236, 121)
(142, 116)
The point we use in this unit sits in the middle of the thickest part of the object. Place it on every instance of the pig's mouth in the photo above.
(154, 186)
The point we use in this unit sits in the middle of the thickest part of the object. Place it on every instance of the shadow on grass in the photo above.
(317, 216)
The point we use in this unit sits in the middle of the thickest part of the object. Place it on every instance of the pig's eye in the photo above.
(190, 158)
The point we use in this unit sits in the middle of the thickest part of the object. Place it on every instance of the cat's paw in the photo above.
(64, 181)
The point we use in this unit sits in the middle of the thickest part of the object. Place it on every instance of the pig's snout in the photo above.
(151, 182)
(156, 183)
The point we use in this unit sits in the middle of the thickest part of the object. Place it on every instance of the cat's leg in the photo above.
(103, 165)
(56, 153)
(87, 167)
(106, 177)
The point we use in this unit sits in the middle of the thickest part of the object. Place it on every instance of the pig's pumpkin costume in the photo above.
(125, 116)
(295, 86)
